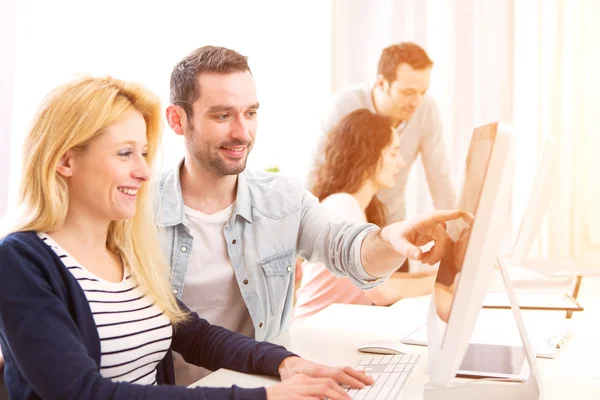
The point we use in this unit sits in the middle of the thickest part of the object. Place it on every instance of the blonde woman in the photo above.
(86, 308)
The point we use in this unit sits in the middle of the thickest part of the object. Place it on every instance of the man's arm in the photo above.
(435, 160)
(382, 250)
(334, 241)
(363, 252)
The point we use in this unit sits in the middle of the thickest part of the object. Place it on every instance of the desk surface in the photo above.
(331, 337)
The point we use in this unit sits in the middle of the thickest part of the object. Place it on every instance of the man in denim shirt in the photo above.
(232, 236)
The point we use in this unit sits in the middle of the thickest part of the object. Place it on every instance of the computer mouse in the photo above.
(384, 347)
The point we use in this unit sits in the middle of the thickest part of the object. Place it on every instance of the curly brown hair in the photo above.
(352, 154)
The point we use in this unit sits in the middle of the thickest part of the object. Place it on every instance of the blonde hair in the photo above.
(70, 117)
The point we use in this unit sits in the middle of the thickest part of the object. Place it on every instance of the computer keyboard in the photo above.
(390, 374)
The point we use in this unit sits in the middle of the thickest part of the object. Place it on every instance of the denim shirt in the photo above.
(274, 220)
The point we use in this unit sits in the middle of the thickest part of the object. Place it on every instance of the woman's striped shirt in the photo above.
(134, 333)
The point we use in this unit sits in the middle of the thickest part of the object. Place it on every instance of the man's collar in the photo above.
(170, 199)
(243, 206)
(171, 206)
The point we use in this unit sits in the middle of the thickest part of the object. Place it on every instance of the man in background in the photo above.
(400, 92)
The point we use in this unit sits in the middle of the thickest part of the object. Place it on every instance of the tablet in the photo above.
(494, 361)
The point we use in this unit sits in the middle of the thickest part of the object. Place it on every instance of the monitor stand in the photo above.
(530, 389)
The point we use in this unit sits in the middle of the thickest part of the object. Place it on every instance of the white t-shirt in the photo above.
(211, 289)
(422, 134)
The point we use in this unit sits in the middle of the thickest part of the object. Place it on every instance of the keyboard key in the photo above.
(389, 373)
(366, 360)
(398, 385)
(387, 387)
(389, 368)
(376, 360)
(396, 359)
(399, 367)
(386, 359)
(379, 383)
(361, 394)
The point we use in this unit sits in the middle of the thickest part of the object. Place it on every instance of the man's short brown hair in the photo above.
(402, 53)
(184, 86)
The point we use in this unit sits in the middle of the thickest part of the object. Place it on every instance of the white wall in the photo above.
(288, 45)
(7, 50)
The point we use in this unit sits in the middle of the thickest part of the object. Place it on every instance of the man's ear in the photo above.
(176, 118)
(382, 84)
(65, 164)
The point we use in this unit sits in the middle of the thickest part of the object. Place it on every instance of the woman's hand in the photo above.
(292, 366)
(302, 379)
(302, 387)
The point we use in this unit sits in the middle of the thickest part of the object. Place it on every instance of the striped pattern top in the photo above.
(134, 333)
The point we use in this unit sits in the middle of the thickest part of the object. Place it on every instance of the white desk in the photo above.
(331, 337)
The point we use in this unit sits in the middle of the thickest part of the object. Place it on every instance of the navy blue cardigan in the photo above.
(52, 349)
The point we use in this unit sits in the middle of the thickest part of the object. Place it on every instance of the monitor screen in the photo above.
(476, 165)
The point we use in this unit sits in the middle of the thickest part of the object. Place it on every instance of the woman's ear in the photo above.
(65, 165)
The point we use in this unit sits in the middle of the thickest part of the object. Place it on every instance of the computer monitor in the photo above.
(538, 205)
(464, 274)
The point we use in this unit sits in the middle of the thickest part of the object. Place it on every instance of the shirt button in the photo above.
(260, 325)
(245, 281)
(234, 241)
(175, 291)
(183, 249)
(289, 268)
